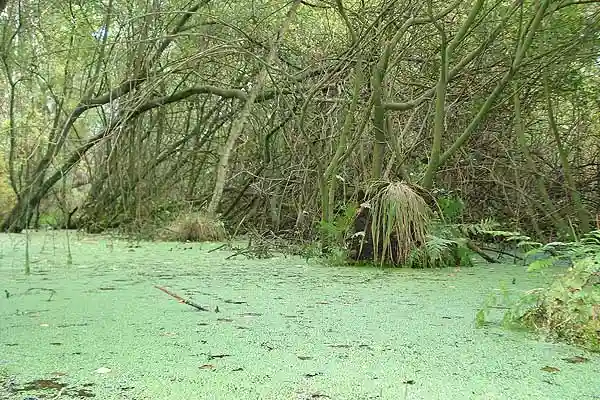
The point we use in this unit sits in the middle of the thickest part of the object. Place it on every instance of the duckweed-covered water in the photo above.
(276, 329)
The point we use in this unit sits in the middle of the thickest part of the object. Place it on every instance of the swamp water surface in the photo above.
(276, 329)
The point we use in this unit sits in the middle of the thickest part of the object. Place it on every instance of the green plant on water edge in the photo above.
(568, 309)
(440, 252)
(443, 246)
(396, 218)
(49, 220)
(447, 245)
(335, 256)
(451, 207)
(330, 250)
(189, 225)
(335, 231)
(6, 381)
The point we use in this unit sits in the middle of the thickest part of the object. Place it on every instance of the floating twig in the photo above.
(218, 247)
(52, 291)
(181, 299)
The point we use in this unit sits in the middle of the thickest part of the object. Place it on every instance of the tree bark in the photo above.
(550, 209)
(239, 124)
(38, 185)
(578, 207)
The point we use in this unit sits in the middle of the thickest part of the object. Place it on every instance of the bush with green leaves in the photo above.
(450, 207)
(569, 308)
(334, 232)
(400, 222)
(565, 252)
(389, 225)
(440, 252)
(404, 229)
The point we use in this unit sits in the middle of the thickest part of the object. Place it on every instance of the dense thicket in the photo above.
(273, 113)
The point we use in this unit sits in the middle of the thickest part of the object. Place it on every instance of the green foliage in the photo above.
(7, 382)
(335, 257)
(569, 308)
(448, 246)
(49, 220)
(451, 208)
(57, 59)
(334, 232)
(331, 251)
(569, 252)
(310, 251)
(494, 300)
(487, 231)
(438, 244)
(440, 252)
(444, 247)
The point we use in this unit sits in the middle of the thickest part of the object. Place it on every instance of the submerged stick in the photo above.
(474, 248)
(181, 299)
(52, 292)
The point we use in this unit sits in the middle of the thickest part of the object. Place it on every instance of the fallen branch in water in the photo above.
(52, 292)
(503, 253)
(474, 248)
(218, 247)
(181, 299)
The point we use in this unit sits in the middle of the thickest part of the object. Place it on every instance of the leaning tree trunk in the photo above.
(240, 122)
(548, 206)
(21, 214)
(35, 190)
(571, 188)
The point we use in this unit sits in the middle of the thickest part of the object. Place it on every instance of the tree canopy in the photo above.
(270, 113)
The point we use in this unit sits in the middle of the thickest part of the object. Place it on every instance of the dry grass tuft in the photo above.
(401, 220)
(196, 227)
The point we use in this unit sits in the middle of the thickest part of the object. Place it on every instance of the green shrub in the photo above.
(440, 252)
(334, 232)
(401, 220)
(569, 308)
(451, 208)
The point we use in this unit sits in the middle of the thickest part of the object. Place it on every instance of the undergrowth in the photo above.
(195, 227)
(569, 308)
(442, 248)
(447, 242)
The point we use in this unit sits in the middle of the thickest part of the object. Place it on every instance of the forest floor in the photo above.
(285, 328)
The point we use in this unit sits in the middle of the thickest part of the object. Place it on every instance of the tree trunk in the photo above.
(240, 122)
(550, 209)
(37, 186)
(440, 112)
(578, 207)
(517, 62)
